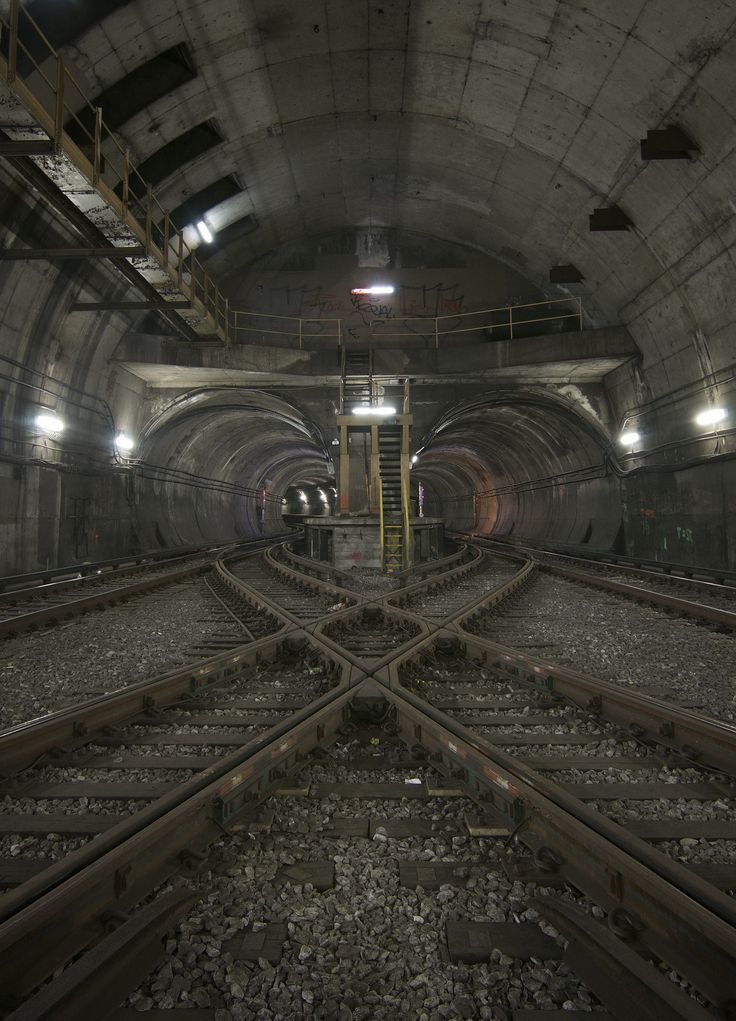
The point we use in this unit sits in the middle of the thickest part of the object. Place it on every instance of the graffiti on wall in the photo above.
(361, 310)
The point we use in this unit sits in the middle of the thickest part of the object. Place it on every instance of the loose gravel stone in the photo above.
(367, 948)
(613, 638)
(106, 650)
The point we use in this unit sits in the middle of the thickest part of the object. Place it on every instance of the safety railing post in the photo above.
(436, 333)
(59, 104)
(167, 235)
(126, 182)
(13, 39)
(149, 217)
(300, 334)
(180, 256)
(227, 322)
(380, 522)
(97, 161)
(580, 312)
(511, 322)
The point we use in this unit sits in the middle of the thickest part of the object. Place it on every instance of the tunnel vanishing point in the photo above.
(222, 222)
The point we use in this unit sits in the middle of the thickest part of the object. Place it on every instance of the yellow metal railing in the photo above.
(297, 327)
(407, 532)
(56, 102)
(381, 524)
(504, 317)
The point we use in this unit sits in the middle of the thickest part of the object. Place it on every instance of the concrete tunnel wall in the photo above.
(501, 130)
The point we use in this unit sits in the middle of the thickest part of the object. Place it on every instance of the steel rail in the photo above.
(49, 919)
(12, 586)
(436, 582)
(706, 578)
(72, 727)
(316, 583)
(687, 921)
(662, 600)
(696, 737)
(692, 929)
(69, 728)
(243, 588)
(12, 626)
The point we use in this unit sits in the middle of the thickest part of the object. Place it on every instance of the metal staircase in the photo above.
(356, 379)
(394, 506)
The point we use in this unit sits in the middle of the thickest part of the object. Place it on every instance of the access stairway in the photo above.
(357, 385)
(394, 511)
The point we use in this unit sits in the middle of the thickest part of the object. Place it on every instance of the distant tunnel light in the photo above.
(415, 458)
(205, 233)
(124, 443)
(711, 416)
(303, 496)
(377, 289)
(379, 410)
(47, 422)
(628, 439)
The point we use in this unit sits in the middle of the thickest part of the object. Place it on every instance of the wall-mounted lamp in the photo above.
(48, 422)
(124, 443)
(711, 416)
(629, 438)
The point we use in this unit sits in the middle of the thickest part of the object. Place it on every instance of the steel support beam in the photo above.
(53, 254)
(28, 147)
(126, 306)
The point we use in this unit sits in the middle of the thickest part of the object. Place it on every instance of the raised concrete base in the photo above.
(347, 542)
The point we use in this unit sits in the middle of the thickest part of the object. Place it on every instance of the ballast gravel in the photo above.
(368, 948)
(615, 639)
(485, 576)
(435, 683)
(102, 651)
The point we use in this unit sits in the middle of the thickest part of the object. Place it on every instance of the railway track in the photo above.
(40, 603)
(702, 586)
(359, 695)
(651, 649)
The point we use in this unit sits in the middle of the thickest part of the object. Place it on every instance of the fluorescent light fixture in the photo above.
(124, 443)
(379, 410)
(377, 289)
(48, 422)
(205, 233)
(711, 416)
(415, 458)
(629, 438)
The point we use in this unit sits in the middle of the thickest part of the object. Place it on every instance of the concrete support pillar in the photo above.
(375, 471)
(343, 474)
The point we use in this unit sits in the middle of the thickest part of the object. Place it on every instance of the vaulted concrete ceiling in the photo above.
(497, 124)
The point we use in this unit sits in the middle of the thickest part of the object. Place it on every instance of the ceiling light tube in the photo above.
(379, 410)
(711, 416)
(205, 233)
(376, 289)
